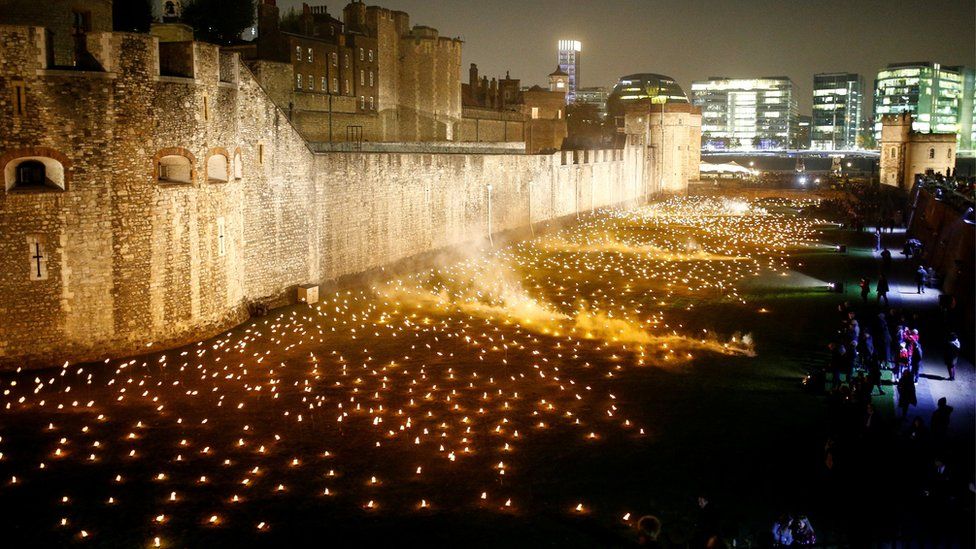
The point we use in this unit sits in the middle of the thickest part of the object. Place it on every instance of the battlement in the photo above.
(118, 54)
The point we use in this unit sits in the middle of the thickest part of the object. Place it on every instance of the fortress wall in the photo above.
(132, 261)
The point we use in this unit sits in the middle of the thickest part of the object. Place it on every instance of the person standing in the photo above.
(951, 355)
(883, 289)
(920, 275)
(885, 260)
(877, 239)
(906, 394)
(902, 361)
(783, 531)
(865, 285)
(940, 419)
(883, 339)
(916, 358)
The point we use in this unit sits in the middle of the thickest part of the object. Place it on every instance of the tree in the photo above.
(219, 21)
(132, 15)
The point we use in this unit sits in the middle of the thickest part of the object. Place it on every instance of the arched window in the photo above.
(175, 168)
(217, 169)
(931, 153)
(33, 172)
(238, 165)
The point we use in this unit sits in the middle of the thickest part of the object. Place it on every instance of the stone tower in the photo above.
(895, 132)
(558, 81)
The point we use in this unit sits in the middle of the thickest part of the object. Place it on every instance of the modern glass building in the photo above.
(596, 96)
(568, 58)
(938, 98)
(837, 114)
(636, 87)
(753, 113)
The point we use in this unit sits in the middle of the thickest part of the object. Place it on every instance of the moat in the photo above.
(548, 391)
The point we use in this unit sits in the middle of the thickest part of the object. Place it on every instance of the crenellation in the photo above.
(144, 246)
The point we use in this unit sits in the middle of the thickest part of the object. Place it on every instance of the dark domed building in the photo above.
(660, 89)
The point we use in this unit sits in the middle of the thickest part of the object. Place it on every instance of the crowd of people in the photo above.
(877, 347)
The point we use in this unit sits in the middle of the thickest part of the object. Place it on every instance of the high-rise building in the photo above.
(568, 59)
(837, 114)
(803, 131)
(596, 96)
(740, 113)
(939, 99)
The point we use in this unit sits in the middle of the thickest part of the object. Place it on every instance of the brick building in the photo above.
(500, 110)
(368, 76)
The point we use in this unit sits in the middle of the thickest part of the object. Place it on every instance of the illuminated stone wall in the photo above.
(131, 261)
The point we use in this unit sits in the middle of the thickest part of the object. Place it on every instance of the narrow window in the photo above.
(360, 54)
(311, 82)
(372, 107)
(299, 81)
(335, 59)
(261, 153)
(362, 77)
(298, 53)
(949, 153)
(206, 108)
(535, 112)
(20, 99)
(362, 102)
(370, 55)
(221, 245)
(36, 258)
(347, 86)
(81, 23)
(370, 78)
(335, 85)
(931, 153)
(323, 84)
(309, 55)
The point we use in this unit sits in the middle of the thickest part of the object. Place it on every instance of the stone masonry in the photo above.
(136, 259)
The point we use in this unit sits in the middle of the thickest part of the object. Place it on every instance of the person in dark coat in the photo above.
(865, 285)
(906, 394)
(920, 275)
(951, 355)
(882, 338)
(916, 358)
(883, 289)
(940, 419)
(886, 260)
(874, 376)
(866, 349)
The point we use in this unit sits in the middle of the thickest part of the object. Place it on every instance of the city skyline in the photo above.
(615, 45)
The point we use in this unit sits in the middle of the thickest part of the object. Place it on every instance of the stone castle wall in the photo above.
(132, 261)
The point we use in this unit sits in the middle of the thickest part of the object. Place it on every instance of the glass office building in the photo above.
(596, 96)
(938, 98)
(741, 113)
(837, 114)
(637, 87)
(568, 58)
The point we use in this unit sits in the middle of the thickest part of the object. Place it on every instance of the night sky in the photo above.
(691, 40)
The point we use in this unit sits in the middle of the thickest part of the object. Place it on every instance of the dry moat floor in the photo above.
(550, 392)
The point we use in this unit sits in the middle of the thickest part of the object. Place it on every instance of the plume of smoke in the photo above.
(597, 325)
(608, 244)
